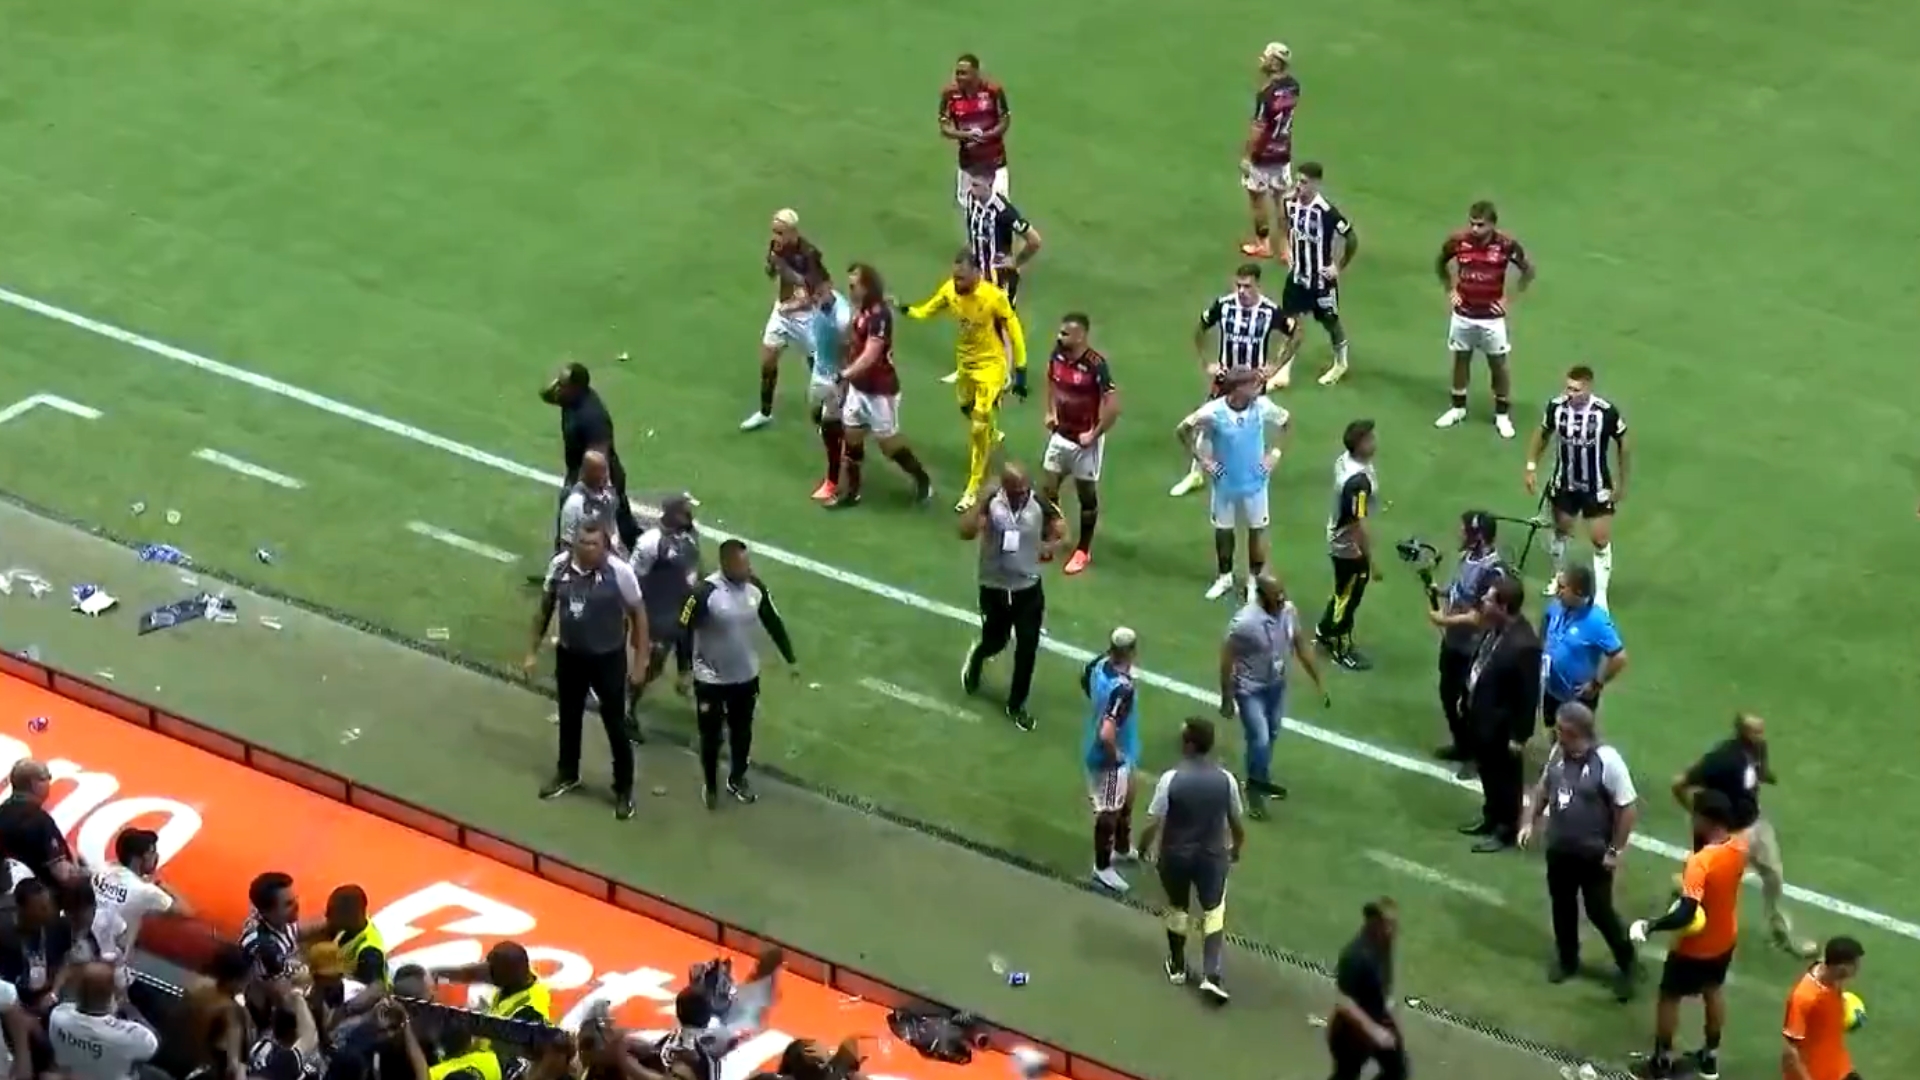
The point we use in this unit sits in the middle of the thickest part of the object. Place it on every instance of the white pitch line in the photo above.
(1392, 759)
(453, 539)
(248, 468)
(919, 701)
(51, 401)
(1422, 872)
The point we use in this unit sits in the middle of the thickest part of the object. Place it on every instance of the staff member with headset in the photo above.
(1587, 799)
(602, 622)
(1016, 532)
(585, 424)
(720, 662)
(1479, 564)
(1584, 653)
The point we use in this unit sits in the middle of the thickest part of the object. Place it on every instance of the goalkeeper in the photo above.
(1707, 917)
(984, 314)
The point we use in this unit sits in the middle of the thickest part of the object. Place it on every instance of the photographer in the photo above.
(1502, 685)
(1478, 566)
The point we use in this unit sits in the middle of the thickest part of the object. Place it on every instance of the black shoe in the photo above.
(1478, 828)
(742, 792)
(845, 501)
(623, 808)
(1450, 753)
(970, 669)
(1560, 973)
(557, 787)
(1268, 789)
(1706, 1064)
(708, 797)
(1625, 983)
(1021, 718)
(1353, 660)
(1492, 845)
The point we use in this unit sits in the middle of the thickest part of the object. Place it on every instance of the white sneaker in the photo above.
(1334, 374)
(950, 378)
(1221, 586)
(756, 421)
(1111, 879)
(1190, 483)
(1503, 424)
(1214, 991)
(1131, 855)
(1450, 417)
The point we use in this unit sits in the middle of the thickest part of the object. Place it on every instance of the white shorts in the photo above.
(1268, 179)
(965, 181)
(826, 396)
(1065, 457)
(788, 328)
(1249, 510)
(1488, 337)
(1108, 789)
(878, 413)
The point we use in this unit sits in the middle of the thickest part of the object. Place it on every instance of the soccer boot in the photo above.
(757, 421)
(1334, 373)
(1221, 586)
(825, 492)
(1450, 418)
(1190, 483)
(1503, 424)
(1078, 562)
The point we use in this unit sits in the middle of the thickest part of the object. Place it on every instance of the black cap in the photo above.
(1480, 523)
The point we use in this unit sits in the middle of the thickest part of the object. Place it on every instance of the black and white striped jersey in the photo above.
(1312, 225)
(1583, 431)
(1245, 330)
(994, 227)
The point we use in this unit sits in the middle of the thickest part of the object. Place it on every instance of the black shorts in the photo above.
(1194, 881)
(1322, 304)
(1009, 281)
(1579, 504)
(1691, 976)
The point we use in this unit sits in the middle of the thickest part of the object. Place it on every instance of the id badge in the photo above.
(1010, 541)
(577, 606)
(1563, 798)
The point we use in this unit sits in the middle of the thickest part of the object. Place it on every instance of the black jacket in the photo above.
(1503, 702)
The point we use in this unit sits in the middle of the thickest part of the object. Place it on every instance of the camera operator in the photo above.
(1478, 565)
(1502, 685)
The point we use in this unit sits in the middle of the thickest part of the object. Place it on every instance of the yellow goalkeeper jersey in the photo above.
(982, 312)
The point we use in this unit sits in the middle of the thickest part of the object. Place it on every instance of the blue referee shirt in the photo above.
(1579, 640)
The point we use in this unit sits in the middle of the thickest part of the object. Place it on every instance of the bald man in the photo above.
(28, 834)
(89, 1040)
(594, 500)
(1017, 531)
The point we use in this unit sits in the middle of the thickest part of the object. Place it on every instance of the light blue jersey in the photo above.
(1238, 438)
(1110, 693)
(829, 326)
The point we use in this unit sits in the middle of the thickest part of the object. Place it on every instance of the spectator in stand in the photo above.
(271, 934)
(96, 936)
(34, 947)
(16, 1050)
(128, 890)
(28, 834)
(90, 1042)
(217, 1030)
(289, 1049)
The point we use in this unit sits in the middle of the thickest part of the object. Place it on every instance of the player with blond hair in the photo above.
(985, 314)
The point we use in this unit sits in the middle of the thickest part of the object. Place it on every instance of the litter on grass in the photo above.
(439, 633)
(173, 517)
(164, 554)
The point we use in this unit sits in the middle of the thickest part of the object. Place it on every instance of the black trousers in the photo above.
(725, 713)
(1013, 615)
(1502, 782)
(1352, 1051)
(605, 675)
(1455, 666)
(1575, 880)
(623, 513)
(1349, 588)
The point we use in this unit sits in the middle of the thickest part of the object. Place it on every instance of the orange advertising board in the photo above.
(437, 903)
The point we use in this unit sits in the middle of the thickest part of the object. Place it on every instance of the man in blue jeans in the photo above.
(1262, 640)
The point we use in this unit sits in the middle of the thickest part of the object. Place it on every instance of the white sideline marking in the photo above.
(247, 468)
(1378, 755)
(919, 701)
(1423, 872)
(52, 401)
(451, 539)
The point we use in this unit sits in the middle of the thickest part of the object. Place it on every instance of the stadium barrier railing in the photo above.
(189, 953)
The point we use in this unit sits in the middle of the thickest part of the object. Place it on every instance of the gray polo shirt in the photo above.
(593, 605)
(1585, 797)
(668, 564)
(1010, 542)
(586, 506)
(1262, 645)
(717, 627)
(1193, 802)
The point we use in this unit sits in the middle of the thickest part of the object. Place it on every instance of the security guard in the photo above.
(361, 945)
(1350, 543)
(666, 559)
(1479, 565)
(602, 622)
(1016, 532)
(519, 993)
(1195, 815)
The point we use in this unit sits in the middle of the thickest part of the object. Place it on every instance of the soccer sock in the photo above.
(1557, 551)
(1102, 841)
(1502, 405)
(1602, 569)
(1089, 520)
(1123, 830)
(1460, 400)
(855, 465)
(979, 453)
(909, 464)
(1223, 552)
(1712, 1042)
(769, 379)
(1261, 230)
(1211, 947)
(1177, 951)
(1340, 351)
(832, 437)
(1255, 569)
